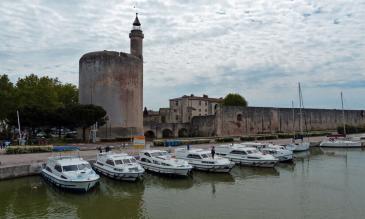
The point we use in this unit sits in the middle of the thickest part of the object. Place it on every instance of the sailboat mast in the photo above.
(20, 132)
(343, 116)
(292, 106)
(300, 109)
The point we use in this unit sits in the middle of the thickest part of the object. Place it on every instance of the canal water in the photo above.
(323, 183)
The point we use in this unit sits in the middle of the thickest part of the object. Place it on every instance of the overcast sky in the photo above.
(258, 48)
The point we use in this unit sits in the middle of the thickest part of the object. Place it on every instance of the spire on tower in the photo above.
(136, 21)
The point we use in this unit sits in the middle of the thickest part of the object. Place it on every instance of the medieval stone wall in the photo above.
(252, 120)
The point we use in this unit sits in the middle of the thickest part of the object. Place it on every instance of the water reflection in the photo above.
(254, 172)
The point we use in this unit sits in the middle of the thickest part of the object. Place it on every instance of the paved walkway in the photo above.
(88, 152)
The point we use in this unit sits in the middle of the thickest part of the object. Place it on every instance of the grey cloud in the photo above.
(252, 47)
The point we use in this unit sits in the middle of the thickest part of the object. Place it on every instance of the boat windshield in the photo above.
(126, 161)
(156, 154)
(69, 168)
(84, 166)
(206, 155)
(251, 151)
(133, 160)
(118, 162)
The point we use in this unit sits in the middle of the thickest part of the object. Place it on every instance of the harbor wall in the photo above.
(232, 120)
(14, 171)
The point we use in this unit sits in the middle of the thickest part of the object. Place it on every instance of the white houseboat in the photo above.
(278, 151)
(119, 166)
(202, 160)
(160, 161)
(70, 172)
(298, 146)
(244, 155)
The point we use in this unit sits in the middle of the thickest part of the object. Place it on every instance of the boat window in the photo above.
(145, 160)
(84, 166)
(208, 162)
(110, 162)
(147, 154)
(204, 156)
(69, 168)
(133, 160)
(156, 154)
(165, 164)
(126, 161)
(156, 162)
(118, 162)
(58, 168)
(238, 152)
(48, 169)
(194, 156)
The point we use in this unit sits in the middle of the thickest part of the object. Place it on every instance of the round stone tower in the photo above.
(114, 81)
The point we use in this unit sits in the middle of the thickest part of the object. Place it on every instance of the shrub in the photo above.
(225, 139)
(247, 138)
(28, 149)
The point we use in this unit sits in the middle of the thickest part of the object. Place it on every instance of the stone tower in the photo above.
(136, 36)
(114, 81)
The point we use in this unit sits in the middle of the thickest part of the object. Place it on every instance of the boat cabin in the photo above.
(111, 159)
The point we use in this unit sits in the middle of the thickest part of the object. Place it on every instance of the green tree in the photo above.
(68, 94)
(37, 92)
(233, 99)
(6, 98)
(83, 116)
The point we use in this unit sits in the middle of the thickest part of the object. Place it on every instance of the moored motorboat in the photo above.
(160, 161)
(248, 156)
(278, 151)
(340, 143)
(298, 146)
(202, 160)
(70, 172)
(119, 166)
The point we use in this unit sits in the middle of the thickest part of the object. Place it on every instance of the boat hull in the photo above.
(254, 163)
(285, 158)
(163, 170)
(130, 176)
(342, 144)
(77, 186)
(298, 147)
(213, 168)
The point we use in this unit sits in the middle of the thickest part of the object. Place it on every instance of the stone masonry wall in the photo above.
(251, 120)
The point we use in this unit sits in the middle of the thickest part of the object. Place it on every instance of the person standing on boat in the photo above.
(213, 152)
(188, 146)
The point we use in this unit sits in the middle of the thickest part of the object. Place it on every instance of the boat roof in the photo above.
(152, 151)
(197, 151)
(112, 155)
(253, 143)
(244, 148)
(67, 160)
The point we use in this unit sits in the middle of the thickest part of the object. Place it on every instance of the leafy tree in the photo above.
(44, 92)
(35, 91)
(233, 99)
(68, 94)
(83, 116)
(6, 97)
